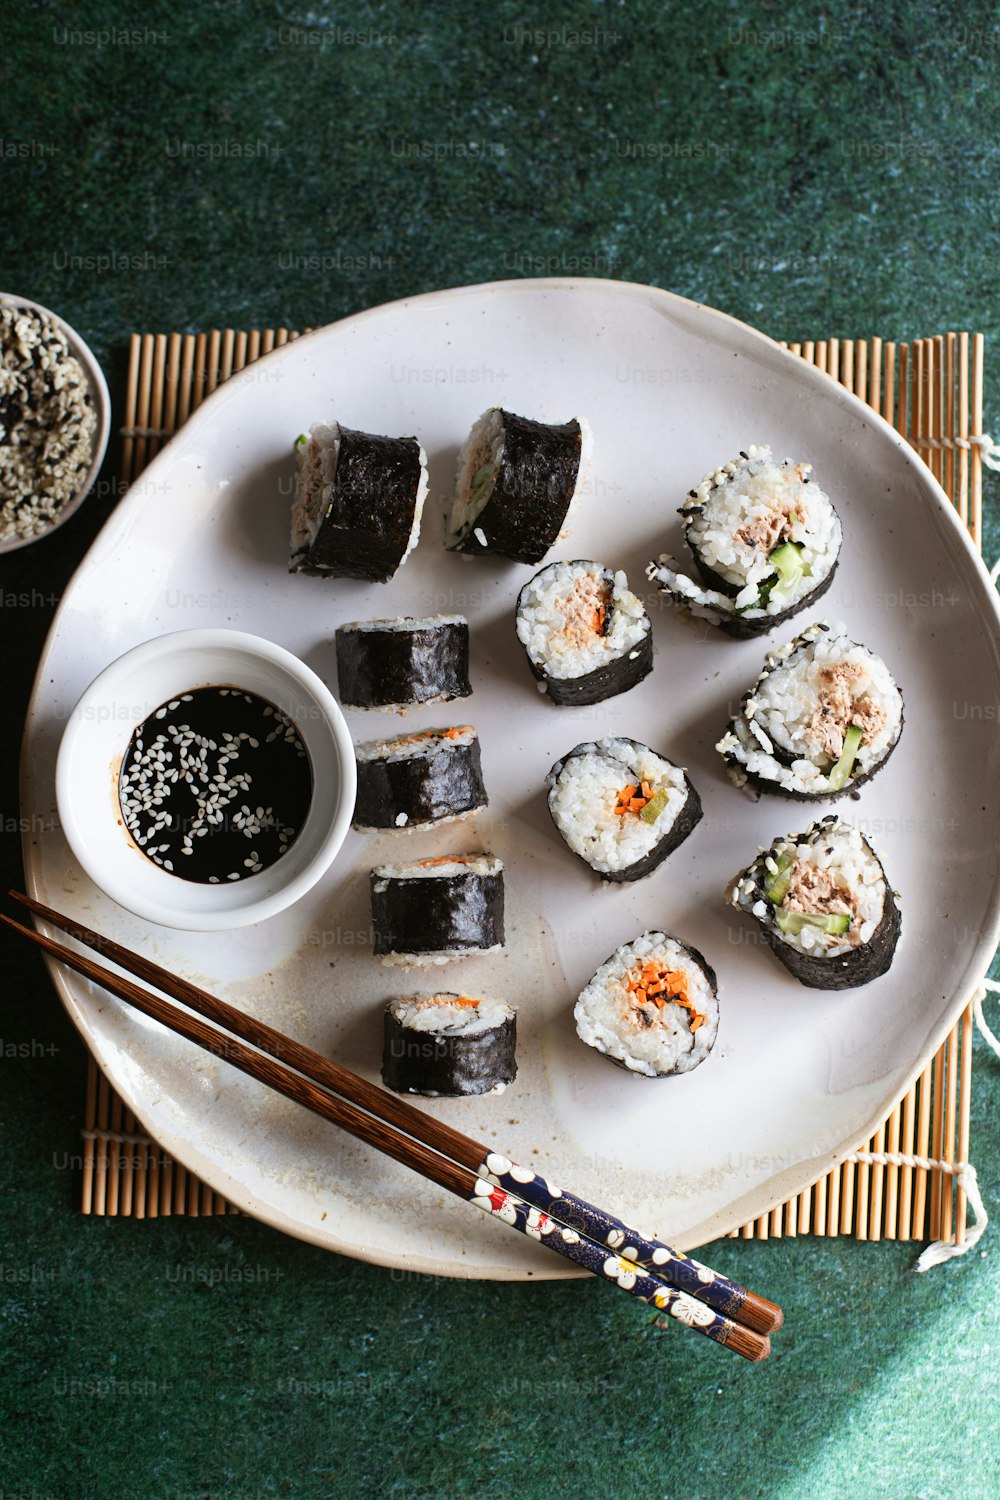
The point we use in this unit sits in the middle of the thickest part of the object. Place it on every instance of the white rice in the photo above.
(419, 869)
(430, 622)
(742, 494)
(583, 794)
(827, 845)
(439, 1014)
(416, 746)
(548, 620)
(316, 473)
(785, 700)
(668, 1046)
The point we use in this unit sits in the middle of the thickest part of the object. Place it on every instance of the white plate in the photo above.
(798, 1077)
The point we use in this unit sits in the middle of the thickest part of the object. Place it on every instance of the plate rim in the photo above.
(758, 1201)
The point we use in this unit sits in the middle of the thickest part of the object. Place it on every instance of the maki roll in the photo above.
(653, 1008)
(824, 905)
(822, 717)
(621, 807)
(448, 1045)
(358, 503)
(431, 910)
(587, 636)
(397, 664)
(765, 541)
(516, 482)
(419, 780)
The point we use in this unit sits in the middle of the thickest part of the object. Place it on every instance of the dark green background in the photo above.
(815, 173)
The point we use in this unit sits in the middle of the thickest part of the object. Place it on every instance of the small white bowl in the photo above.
(97, 736)
(102, 407)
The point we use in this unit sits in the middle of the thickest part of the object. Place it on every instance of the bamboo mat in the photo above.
(931, 390)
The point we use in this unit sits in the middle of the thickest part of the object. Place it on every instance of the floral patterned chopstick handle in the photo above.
(659, 1260)
(539, 1225)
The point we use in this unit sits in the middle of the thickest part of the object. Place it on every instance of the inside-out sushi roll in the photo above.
(419, 780)
(621, 807)
(431, 910)
(822, 717)
(765, 540)
(653, 1007)
(586, 635)
(397, 664)
(358, 503)
(448, 1045)
(824, 905)
(515, 484)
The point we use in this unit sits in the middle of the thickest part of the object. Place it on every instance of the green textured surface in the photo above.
(828, 175)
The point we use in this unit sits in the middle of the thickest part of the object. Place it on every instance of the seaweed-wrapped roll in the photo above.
(419, 780)
(448, 1045)
(397, 664)
(431, 910)
(587, 636)
(515, 484)
(621, 807)
(358, 503)
(821, 719)
(824, 905)
(652, 1007)
(765, 540)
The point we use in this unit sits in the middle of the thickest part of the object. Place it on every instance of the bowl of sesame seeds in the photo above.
(55, 420)
(206, 779)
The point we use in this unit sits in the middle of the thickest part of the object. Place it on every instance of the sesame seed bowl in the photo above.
(54, 427)
(128, 747)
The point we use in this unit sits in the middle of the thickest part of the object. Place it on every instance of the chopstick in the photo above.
(602, 1244)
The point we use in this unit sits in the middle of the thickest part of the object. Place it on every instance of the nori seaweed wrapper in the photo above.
(396, 668)
(447, 1064)
(687, 819)
(426, 787)
(532, 492)
(365, 529)
(429, 914)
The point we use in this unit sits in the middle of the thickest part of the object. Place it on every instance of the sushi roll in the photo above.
(824, 905)
(821, 719)
(358, 503)
(431, 910)
(398, 664)
(653, 1008)
(448, 1045)
(419, 780)
(765, 540)
(587, 636)
(516, 482)
(621, 807)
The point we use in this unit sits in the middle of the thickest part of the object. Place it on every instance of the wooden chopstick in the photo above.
(647, 1269)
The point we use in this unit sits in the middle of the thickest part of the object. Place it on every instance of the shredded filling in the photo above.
(650, 987)
(838, 708)
(820, 891)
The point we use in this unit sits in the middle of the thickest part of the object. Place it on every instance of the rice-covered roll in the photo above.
(397, 664)
(515, 484)
(358, 503)
(621, 807)
(821, 719)
(431, 910)
(586, 635)
(765, 541)
(824, 905)
(652, 1007)
(447, 1045)
(419, 780)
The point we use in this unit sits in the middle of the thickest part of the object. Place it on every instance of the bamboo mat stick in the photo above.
(964, 1113)
(114, 1151)
(948, 1147)
(89, 1125)
(889, 390)
(976, 498)
(963, 426)
(173, 380)
(948, 479)
(127, 1200)
(821, 1193)
(923, 1149)
(156, 403)
(131, 402)
(200, 370)
(212, 360)
(907, 1147)
(101, 1184)
(142, 413)
(877, 1199)
(833, 1204)
(875, 375)
(804, 1224)
(892, 1174)
(226, 358)
(187, 379)
(937, 1140)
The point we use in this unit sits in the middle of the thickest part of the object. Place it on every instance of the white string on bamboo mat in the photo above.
(989, 450)
(120, 1136)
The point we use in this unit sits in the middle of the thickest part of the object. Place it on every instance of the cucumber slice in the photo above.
(777, 887)
(654, 806)
(841, 773)
(787, 563)
(793, 922)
